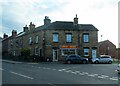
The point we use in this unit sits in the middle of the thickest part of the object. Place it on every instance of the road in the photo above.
(52, 73)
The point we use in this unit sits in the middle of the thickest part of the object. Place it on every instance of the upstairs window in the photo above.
(68, 37)
(55, 37)
(36, 39)
(30, 40)
(86, 38)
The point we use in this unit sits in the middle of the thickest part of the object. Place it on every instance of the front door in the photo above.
(55, 54)
(93, 53)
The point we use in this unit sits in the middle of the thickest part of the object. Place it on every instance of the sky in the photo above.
(103, 14)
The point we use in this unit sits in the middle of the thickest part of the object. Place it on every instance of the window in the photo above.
(86, 51)
(86, 38)
(66, 52)
(55, 37)
(36, 39)
(30, 40)
(68, 37)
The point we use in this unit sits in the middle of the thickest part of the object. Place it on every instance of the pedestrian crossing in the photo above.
(81, 73)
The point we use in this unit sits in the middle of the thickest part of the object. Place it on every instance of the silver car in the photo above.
(118, 68)
(102, 59)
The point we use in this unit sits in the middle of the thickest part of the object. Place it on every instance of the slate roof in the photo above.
(64, 25)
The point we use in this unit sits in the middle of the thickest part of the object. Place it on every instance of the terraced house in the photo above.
(55, 40)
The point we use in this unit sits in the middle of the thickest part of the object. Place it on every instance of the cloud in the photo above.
(101, 13)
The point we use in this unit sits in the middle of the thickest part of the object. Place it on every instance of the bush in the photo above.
(25, 52)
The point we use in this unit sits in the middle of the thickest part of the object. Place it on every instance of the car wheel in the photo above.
(69, 62)
(110, 62)
(96, 62)
(84, 62)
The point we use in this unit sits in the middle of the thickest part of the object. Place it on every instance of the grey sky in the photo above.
(103, 14)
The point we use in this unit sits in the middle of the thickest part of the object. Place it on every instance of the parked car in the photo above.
(76, 59)
(102, 59)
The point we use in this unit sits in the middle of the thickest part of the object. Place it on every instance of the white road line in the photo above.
(21, 75)
(68, 71)
(81, 73)
(62, 70)
(73, 72)
(84, 72)
(114, 78)
(104, 76)
(91, 75)
(101, 77)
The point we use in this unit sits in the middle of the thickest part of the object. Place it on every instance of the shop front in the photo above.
(68, 50)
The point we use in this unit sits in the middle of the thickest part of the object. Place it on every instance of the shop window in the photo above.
(66, 52)
(55, 37)
(68, 37)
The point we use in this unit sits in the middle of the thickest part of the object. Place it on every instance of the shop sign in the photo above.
(68, 46)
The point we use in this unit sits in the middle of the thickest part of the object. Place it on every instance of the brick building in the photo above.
(54, 40)
(107, 48)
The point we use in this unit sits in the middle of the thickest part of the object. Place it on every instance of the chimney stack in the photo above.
(5, 36)
(76, 20)
(25, 29)
(14, 32)
(47, 20)
(31, 26)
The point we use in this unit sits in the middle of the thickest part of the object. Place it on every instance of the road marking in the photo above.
(73, 72)
(104, 76)
(81, 73)
(114, 78)
(91, 75)
(85, 73)
(101, 77)
(68, 71)
(21, 75)
(62, 70)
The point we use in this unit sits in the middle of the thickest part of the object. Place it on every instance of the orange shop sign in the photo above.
(68, 46)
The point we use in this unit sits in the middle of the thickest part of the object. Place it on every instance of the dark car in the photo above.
(75, 59)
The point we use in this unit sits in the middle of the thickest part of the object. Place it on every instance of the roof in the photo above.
(20, 34)
(64, 25)
(106, 41)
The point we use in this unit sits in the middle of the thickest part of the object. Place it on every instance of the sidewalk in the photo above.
(15, 62)
(10, 61)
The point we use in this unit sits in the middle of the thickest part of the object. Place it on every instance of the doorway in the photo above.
(55, 54)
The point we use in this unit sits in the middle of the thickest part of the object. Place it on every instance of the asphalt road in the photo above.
(58, 73)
